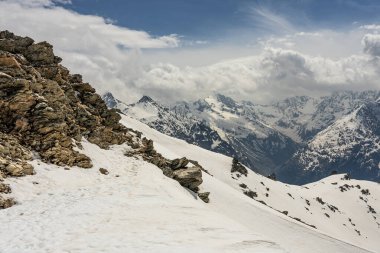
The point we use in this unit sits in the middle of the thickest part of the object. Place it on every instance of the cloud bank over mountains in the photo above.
(111, 57)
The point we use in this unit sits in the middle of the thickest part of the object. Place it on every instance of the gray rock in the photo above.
(190, 177)
(168, 172)
(204, 196)
(179, 163)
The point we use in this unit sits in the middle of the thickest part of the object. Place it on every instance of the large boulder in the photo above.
(189, 177)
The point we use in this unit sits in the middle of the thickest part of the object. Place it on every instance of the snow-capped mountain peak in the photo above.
(146, 99)
(351, 144)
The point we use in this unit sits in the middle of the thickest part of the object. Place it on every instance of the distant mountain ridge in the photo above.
(167, 121)
(350, 145)
(266, 138)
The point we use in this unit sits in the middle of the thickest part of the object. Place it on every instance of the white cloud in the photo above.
(112, 57)
(107, 55)
(371, 44)
(275, 73)
(265, 19)
(37, 3)
(374, 27)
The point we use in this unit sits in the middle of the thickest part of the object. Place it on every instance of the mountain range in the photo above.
(279, 138)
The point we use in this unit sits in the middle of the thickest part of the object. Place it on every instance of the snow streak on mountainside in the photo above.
(263, 137)
(351, 144)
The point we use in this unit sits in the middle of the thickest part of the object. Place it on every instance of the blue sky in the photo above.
(212, 19)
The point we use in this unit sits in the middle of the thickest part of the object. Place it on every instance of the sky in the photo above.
(172, 50)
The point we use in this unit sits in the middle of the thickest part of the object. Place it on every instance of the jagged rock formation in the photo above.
(45, 111)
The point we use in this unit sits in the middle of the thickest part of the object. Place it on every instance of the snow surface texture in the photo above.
(137, 209)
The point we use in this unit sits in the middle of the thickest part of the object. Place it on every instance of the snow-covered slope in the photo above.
(137, 209)
(337, 207)
(351, 144)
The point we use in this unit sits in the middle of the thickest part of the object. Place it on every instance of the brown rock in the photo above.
(9, 62)
(19, 169)
(5, 188)
(6, 203)
(40, 53)
(103, 171)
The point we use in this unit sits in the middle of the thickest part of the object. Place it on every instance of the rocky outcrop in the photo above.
(46, 110)
(177, 169)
